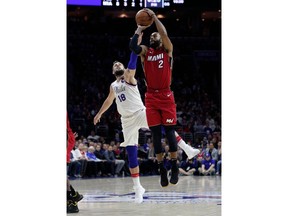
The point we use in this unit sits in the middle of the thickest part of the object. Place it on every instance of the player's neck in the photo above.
(120, 78)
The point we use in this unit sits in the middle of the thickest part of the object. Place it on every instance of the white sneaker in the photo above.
(139, 191)
(191, 152)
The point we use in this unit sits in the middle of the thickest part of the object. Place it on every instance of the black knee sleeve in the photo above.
(170, 134)
(157, 135)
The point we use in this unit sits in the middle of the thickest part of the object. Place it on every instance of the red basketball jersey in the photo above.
(70, 141)
(157, 69)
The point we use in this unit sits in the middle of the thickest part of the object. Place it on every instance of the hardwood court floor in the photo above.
(193, 195)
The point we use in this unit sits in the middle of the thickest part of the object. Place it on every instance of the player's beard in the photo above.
(155, 44)
(119, 73)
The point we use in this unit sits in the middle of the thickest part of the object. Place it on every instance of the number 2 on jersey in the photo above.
(160, 64)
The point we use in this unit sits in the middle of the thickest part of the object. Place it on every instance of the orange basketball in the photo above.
(143, 18)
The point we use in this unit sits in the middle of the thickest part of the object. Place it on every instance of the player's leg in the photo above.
(190, 152)
(170, 134)
(154, 122)
(131, 134)
(71, 203)
(168, 120)
(156, 136)
(134, 170)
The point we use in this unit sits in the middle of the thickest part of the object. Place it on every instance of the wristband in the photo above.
(133, 44)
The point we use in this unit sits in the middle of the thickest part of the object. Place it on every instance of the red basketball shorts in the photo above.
(160, 108)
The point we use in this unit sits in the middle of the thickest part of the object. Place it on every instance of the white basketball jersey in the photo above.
(128, 98)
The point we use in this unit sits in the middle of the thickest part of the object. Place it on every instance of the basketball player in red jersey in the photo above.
(73, 197)
(157, 61)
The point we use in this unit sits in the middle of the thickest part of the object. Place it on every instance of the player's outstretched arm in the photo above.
(131, 69)
(134, 44)
(105, 106)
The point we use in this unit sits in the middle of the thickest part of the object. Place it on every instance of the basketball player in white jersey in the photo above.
(133, 115)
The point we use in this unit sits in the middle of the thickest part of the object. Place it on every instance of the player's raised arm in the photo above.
(162, 31)
(131, 69)
(105, 106)
(134, 44)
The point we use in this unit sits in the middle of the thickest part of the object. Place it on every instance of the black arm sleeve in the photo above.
(134, 46)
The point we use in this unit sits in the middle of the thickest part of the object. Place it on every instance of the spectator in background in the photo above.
(110, 157)
(211, 122)
(93, 136)
(200, 156)
(92, 162)
(150, 166)
(217, 128)
(180, 154)
(74, 165)
(99, 153)
(198, 126)
(167, 158)
(219, 162)
(77, 156)
(202, 150)
(91, 143)
(208, 166)
(82, 148)
(205, 141)
(116, 151)
(212, 151)
(188, 167)
(207, 128)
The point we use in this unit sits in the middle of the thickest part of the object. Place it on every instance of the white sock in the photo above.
(136, 181)
(182, 144)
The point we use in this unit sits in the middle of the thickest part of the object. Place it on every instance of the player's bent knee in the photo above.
(170, 133)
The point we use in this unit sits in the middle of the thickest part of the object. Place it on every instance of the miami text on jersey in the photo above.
(155, 57)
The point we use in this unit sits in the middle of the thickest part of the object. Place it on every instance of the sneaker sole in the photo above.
(174, 184)
(72, 212)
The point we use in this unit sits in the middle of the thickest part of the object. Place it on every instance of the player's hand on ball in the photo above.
(150, 12)
(142, 27)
